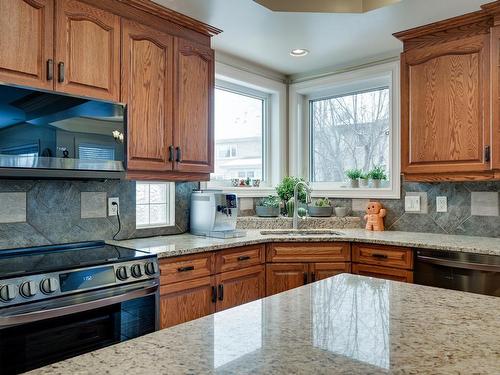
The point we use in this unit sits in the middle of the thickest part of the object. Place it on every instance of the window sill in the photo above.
(386, 193)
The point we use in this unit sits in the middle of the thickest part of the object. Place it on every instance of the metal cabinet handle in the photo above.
(313, 277)
(305, 277)
(184, 269)
(221, 292)
(50, 70)
(243, 257)
(61, 72)
(380, 256)
(171, 153)
(214, 294)
(179, 155)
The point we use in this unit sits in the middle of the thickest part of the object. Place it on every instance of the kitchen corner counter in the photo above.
(342, 325)
(184, 244)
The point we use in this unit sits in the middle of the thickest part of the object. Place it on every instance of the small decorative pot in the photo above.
(376, 183)
(320, 211)
(354, 184)
(341, 211)
(264, 211)
(363, 182)
(256, 182)
(235, 182)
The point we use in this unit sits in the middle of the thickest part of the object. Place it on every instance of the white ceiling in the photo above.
(256, 34)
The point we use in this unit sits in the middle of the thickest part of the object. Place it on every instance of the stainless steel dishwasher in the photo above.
(476, 273)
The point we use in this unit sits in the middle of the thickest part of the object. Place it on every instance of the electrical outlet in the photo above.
(412, 203)
(113, 209)
(441, 204)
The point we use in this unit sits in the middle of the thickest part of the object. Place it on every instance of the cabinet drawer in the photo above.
(309, 252)
(390, 256)
(387, 273)
(238, 258)
(186, 268)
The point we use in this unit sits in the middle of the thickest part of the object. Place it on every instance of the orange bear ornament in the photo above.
(374, 217)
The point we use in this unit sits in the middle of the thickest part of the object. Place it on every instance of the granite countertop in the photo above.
(183, 244)
(346, 324)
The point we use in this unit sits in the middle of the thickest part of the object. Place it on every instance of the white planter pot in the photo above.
(354, 184)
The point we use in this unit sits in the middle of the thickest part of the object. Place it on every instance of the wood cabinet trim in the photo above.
(383, 272)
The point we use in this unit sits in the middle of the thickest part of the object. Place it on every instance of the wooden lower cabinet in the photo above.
(241, 286)
(320, 271)
(185, 301)
(284, 276)
(382, 272)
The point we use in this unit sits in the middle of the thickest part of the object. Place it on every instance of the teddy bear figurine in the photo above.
(375, 216)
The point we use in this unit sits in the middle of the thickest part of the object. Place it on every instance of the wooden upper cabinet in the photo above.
(495, 96)
(193, 103)
(87, 51)
(147, 73)
(26, 42)
(445, 107)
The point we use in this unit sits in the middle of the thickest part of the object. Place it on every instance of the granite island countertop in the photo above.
(184, 244)
(346, 324)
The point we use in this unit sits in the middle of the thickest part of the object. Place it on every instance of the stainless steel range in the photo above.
(60, 301)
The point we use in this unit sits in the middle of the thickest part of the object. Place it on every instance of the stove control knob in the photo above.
(49, 286)
(151, 268)
(136, 270)
(122, 273)
(28, 289)
(8, 292)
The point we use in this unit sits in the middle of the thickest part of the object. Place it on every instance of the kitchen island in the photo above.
(341, 325)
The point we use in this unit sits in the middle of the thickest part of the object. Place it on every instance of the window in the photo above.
(240, 119)
(349, 131)
(155, 204)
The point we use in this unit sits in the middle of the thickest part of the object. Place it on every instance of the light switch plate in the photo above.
(112, 209)
(441, 204)
(412, 203)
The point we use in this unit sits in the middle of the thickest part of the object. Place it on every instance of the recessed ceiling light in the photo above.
(298, 52)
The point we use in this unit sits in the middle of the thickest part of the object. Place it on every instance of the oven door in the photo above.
(42, 333)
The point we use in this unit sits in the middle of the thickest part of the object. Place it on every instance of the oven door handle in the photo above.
(11, 320)
(456, 264)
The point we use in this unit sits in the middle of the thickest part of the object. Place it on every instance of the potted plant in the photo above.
(284, 190)
(341, 211)
(363, 180)
(353, 175)
(376, 175)
(321, 208)
(268, 207)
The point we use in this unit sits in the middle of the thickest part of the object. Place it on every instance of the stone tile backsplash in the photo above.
(473, 208)
(40, 212)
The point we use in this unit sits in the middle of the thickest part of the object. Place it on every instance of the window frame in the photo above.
(266, 132)
(170, 203)
(359, 80)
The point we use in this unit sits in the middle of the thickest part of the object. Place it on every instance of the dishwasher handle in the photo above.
(458, 264)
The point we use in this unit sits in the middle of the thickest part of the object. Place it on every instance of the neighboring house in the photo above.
(238, 158)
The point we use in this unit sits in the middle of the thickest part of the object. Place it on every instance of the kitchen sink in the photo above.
(301, 232)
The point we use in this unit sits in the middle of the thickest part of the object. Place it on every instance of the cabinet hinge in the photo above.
(487, 154)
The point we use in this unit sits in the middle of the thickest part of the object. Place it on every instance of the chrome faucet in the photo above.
(296, 203)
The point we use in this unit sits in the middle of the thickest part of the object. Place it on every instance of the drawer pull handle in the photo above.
(214, 294)
(221, 292)
(305, 278)
(185, 269)
(50, 70)
(243, 257)
(61, 73)
(313, 277)
(380, 256)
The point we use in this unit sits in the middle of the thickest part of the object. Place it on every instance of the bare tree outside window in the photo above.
(349, 131)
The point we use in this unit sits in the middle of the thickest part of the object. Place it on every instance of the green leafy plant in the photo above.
(302, 212)
(364, 176)
(354, 174)
(377, 173)
(322, 202)
(285, 189)
(270, 201)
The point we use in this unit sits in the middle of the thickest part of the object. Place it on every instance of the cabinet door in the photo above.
(241, 286)
(193, 103)
(382, 272)
(320, 271)
(495, 99)
(185, 301)
(147, 72)
(26, 42)
(284, 276)
(445, 107)
(87, 50)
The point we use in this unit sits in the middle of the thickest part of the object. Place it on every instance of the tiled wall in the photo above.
(41, 212)
(473, 209)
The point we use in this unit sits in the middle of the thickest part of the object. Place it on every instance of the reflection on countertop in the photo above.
(342, 325)
(183, 244)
